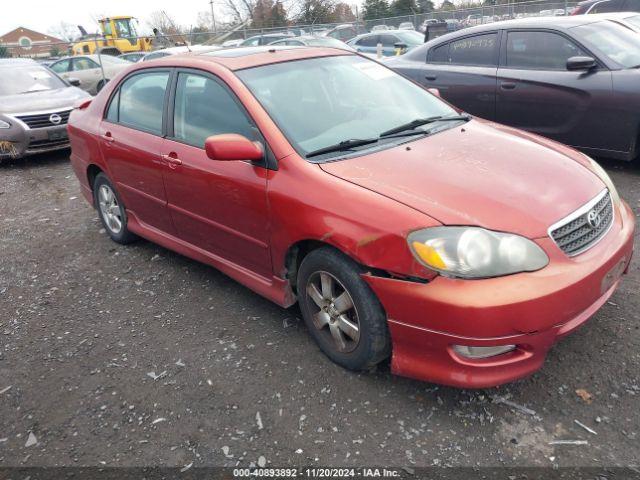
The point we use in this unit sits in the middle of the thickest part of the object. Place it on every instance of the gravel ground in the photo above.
(136, 356)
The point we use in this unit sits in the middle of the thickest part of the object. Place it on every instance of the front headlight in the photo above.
(4, 124)
(473, 252)
(604, 176)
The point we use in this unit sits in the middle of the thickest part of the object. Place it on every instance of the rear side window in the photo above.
(439, 54)
(203, 107)
(478, 50)
(540, 50)
(84, 63)
(139, 102)
(607, 6)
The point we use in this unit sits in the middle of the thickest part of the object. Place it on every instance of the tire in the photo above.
(111, 210)
(359, 350)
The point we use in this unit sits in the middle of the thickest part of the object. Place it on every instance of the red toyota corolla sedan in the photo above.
(460, 248)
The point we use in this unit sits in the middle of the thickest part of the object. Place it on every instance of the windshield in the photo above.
(614, 41)
(23, 79)
(634, 21)
(323, 101)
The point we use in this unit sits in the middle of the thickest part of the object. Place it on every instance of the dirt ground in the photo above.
(137, 356)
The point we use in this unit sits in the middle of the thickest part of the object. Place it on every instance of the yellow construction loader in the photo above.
(118, 35)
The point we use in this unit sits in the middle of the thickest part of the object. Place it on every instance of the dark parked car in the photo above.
(573, 79)
(606, 6)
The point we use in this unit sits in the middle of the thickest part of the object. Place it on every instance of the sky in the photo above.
(41, 15)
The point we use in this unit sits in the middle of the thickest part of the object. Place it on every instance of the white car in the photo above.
(380, 28)
(406, 26)
(86, 68)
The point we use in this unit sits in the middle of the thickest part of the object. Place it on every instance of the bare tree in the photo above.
(64, 31)
(164, 22)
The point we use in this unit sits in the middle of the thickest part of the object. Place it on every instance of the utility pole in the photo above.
(213, 17)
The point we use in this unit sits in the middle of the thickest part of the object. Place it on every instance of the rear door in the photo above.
(130, 141)
(218, 206)
(87, 71)
(388, 41)
(464, 71)
(536, 92)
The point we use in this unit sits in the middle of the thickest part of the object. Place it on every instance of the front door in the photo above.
(218, 206)
(537, 93)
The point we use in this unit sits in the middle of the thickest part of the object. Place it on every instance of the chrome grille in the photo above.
(42, 120)
(585, 227)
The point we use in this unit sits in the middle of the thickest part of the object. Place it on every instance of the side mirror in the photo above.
(581, 63)
(74, 81)
(434, 91)
(230, 146)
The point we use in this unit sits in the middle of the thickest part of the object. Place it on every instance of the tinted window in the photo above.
(84, 63)
(632, 6)
(368, 41)
(541, 50)
(388, 40)
(606, 7)
(61, 66)
(112, 113)
(141, 101)
(478, 50)
(439, 54)
(204, 108)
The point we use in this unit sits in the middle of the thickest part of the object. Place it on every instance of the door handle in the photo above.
(108, 137)
(172, 159)
(431, 78)
(507, 85)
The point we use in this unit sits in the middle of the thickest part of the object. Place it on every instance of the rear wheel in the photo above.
(111, 210)
(343, 315)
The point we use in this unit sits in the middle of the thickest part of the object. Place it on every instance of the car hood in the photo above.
(479, 174)
(59, 98)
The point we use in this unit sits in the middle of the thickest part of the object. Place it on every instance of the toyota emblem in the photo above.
(594, 219)
(55, 118)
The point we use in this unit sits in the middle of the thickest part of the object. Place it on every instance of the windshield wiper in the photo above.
(418, 122)
(343, 145)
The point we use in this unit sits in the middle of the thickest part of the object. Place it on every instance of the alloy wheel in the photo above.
(109, 209)
(334, 314)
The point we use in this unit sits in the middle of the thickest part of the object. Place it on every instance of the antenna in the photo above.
(174, 27)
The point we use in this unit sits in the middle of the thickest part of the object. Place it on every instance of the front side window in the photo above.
(319, 102)
(388, 40)
(478, 50)
(540, 50)
(616, 42)
(84, 63)
(141, 101)
(61, 67)
(368, 41)
(203, 107)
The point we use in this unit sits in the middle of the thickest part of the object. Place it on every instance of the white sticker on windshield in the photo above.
(39, 74)
(373, 70)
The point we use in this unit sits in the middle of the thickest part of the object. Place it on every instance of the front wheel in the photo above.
(343, 315)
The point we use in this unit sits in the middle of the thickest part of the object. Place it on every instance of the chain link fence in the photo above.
(455, 19)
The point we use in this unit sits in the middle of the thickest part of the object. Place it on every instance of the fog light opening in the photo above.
(482, 352)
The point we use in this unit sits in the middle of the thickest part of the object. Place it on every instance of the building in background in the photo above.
(24, 42)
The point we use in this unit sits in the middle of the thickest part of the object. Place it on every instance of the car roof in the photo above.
(563, 22)
(238, 58)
